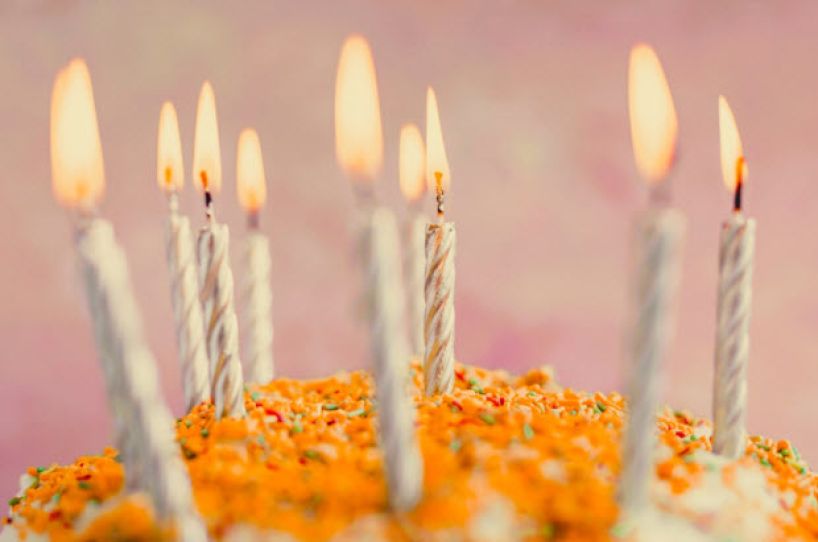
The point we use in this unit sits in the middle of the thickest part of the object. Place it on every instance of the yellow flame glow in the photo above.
(358, 133)
(733, 166)
(412, 162)
(170, 171)
(207, 157)
(252, 189)
(437, 165)
(77, 171)
(653, 116)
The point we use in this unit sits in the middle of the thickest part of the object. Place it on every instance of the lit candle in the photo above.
(151, 458)
(359, 147)
(412, 170)
(440, 252)
(215, 276)
(256, 293)
(736, 250)
(659, 234)
(184, 285)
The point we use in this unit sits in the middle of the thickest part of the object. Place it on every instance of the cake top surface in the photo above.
(502, 454)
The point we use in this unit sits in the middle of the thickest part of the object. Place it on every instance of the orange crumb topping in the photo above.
(306, 461)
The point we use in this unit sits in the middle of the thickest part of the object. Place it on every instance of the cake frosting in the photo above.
(514, 458)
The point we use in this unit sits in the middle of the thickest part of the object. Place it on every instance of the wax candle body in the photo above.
(396, 412)
(414, 265)
(257, 301)
(221, 326)
(737, 247)
(659, 236)
(143, 421)
(439, 314)
(187, 311)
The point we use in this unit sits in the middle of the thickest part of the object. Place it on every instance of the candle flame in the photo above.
(358, 136)
(438, 175)
(169, 168)
(252, 190)
(412, 162)
(733, 166)
(78, 176)
(654, 125)
(207, 161)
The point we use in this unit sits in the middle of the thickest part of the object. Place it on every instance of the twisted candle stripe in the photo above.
(414, 273)
(396, 413)
(187, 311)
(257, 301)
(732, 337)
(660, 235)
(439, 320)
(221, 327)
(150, 456)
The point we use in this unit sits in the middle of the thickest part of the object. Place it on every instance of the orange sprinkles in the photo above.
(306, 462)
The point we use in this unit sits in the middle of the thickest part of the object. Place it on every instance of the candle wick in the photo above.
(173, 201)
(739, 184)
(252, 220)
(737, 197)
(208, 199)
(441, 210)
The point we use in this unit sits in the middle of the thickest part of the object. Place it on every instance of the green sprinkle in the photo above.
(57, 496)
(204, 432)
(784, 452)
(620, 530)
(693, 438)
(35, 484)
(548, 531)
(601, 407)
(361, 412)
(455, 445)
(255, 396)
(260, 440)
(297, 428)
(573, 412)
(531, 394)
(802, 470)
(188, 423)
(84, 485)
(765, 462)
(189, 454)
(528, 432)
(41, 469)
(183, 441)
(312, 454)
(330, 406)
(487, 418)
(15, 500)
(475, 385)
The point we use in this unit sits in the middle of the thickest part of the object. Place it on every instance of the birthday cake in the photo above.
(506, 458)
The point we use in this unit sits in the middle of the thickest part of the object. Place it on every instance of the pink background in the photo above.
(532, 99)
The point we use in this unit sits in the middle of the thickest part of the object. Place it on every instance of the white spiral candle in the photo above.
(736, 251)
(396, 414)
(659, 241)
(143, 421)
(221, 326)
(257, 301)
(414, 265)
(187, 311)
(439, 315)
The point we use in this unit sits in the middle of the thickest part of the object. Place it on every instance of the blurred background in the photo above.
(533, 102)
